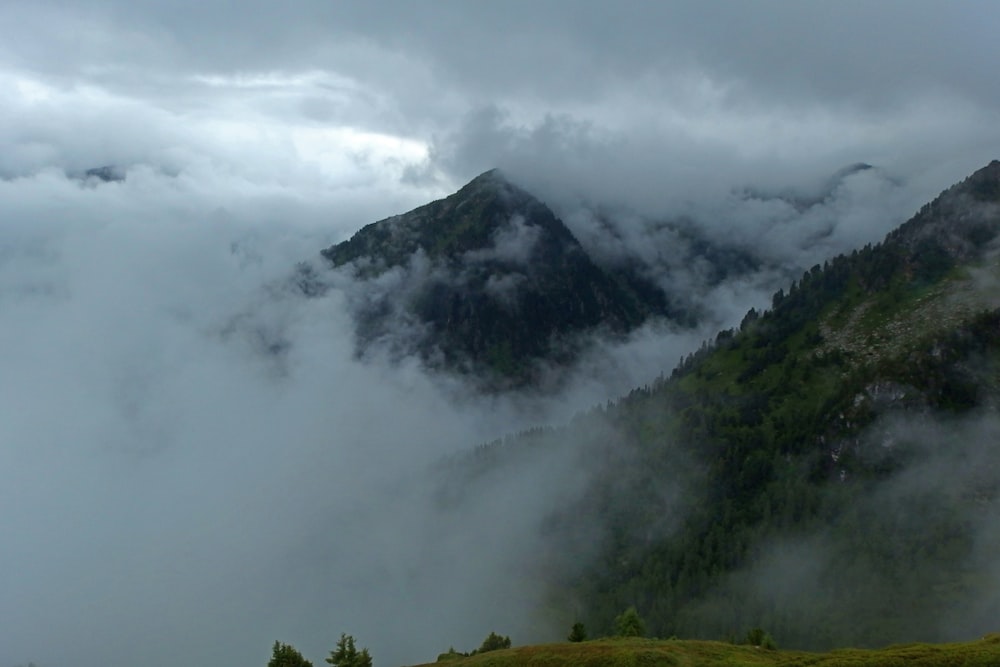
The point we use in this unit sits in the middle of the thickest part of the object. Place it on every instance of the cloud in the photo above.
(512, 243)
(194, 458)
(193, 454)
(770, 82)
(166, 485)
(852, 52)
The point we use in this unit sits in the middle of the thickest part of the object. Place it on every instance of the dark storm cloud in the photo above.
(853, 51)
(778, 56)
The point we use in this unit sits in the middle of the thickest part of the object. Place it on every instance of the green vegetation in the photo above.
(347, 655)
(642, 652)
(757, 637)
(767, 482)
(451, 654)
(630, 624)
(493, 642)
(578, 633)
(285, 655)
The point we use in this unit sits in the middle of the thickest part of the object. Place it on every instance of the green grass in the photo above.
(684, 653)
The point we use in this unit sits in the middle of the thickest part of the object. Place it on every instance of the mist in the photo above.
(907, 556)
(194, 460)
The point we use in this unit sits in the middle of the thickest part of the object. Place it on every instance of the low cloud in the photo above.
(194, 458)
(512, 243)
(907, 557)
(194, 455)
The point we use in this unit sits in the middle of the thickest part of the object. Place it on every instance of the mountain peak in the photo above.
(959, 224)
(984, 184)
(491, 281)
(468, 220)
(493, 175)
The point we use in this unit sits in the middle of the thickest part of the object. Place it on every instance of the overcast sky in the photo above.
(170, 491)
(628, 98)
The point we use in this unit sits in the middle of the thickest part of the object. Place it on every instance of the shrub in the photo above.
(494, 643)
(757, 637)
(630, 624)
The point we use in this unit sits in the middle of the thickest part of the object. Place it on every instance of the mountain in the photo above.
(108, 173)
(804, 198)
(488, 282)
(827, 471)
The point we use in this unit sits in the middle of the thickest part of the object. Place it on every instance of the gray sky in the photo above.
(168, 490)
(660, 94)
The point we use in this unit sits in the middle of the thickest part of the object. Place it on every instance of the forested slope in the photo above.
(826, 471)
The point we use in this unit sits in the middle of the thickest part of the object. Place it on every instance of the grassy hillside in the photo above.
(648, 652)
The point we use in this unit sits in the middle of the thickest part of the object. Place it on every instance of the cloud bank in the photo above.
(194, 460)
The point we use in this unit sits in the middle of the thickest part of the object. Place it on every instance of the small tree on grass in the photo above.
(494, 643)
(451, 654)
(285, 655)
(757, 637)
(578, 633)
(346, 655)
(630, 624)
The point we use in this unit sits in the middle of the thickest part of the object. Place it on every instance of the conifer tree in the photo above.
(347, 655)
(630, 624)
(285, 655)
(494, 642)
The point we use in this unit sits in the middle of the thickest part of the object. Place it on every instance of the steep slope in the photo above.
(826, 472)
(488, 282)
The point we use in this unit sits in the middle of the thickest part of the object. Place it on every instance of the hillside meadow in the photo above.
(634, 652)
